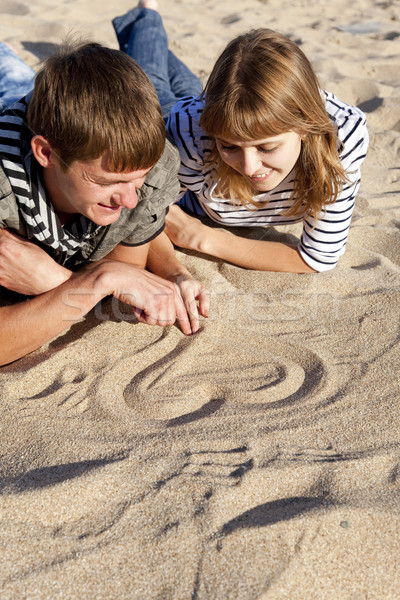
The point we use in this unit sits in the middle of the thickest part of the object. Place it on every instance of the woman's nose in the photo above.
(250, 161)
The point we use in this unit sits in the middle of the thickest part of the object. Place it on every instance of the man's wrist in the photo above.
(177, 274)
(62, 276)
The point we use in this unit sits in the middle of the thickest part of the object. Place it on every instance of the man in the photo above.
(86, 177)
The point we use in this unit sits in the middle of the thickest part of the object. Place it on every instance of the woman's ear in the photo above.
(42, 151)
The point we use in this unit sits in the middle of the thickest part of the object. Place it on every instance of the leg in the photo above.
(183, 82)
(141, 34)
(16, 78)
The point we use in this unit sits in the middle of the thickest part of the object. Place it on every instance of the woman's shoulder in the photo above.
(185, 115)
(351, 126)
(183, 126)
(189, 104)
(343, 114)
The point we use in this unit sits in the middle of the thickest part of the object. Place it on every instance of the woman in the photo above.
(262, 145)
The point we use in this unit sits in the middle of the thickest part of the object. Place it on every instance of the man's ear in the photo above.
(42, 151)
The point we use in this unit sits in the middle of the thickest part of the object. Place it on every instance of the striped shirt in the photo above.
(323, 240)
(26, 208)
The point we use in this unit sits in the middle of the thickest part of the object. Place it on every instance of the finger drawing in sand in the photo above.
(84, 190)
(262, 145)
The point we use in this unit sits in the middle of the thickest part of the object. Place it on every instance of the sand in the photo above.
(259, 459)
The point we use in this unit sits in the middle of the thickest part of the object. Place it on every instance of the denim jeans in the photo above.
(16, 78)
(141, 34)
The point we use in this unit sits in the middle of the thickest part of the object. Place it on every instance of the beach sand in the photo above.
(259, 459)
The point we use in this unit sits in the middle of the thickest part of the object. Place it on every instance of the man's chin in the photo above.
(105, 217)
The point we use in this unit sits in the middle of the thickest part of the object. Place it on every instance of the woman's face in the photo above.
(264, 163)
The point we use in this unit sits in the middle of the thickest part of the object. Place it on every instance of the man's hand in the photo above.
(196, 298)
(155, 301)
(27, 269)
(162, 260)
(27, 325)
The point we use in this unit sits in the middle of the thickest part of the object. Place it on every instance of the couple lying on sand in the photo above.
(87, 177)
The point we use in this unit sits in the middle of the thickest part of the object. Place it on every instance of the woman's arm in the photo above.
(187, 232)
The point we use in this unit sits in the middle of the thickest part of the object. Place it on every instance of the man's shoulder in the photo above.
(5, 185)
(165, 168)
(9, 213)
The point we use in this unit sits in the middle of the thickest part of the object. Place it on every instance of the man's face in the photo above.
(91, 189)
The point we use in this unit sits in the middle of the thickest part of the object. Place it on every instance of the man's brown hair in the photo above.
(89, 99)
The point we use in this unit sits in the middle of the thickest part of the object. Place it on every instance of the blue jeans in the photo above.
(141, 34)
(16, 78)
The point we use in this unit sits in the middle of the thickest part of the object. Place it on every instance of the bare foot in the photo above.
(184, 231)
(153, 4)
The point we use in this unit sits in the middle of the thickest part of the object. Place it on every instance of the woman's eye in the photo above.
(228, 148)
(268, 150)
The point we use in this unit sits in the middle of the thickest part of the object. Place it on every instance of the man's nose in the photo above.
(127, 197)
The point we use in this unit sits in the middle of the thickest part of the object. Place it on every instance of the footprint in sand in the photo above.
(218, 467)
(370, 105)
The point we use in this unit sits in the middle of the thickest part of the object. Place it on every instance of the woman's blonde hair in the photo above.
(263, 85)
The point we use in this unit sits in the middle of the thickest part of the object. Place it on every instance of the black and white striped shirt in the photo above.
(323, 240)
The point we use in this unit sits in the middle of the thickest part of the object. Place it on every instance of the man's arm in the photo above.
(162, 261)
(159, 257)
(27, 326)
(133, 255)
(27, 269)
